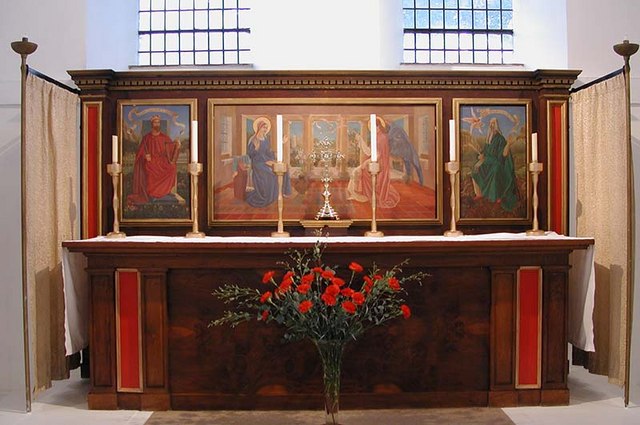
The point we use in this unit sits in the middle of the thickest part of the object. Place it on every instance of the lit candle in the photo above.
(534, 147)
(194, 141)
(279, 144)
(452, 140)
(114, 149)
(374, 139)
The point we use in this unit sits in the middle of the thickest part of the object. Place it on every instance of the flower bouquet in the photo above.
(321, 303)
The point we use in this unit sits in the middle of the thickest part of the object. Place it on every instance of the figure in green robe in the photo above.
(494, 175)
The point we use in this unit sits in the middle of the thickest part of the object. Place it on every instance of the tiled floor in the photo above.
(593, 401)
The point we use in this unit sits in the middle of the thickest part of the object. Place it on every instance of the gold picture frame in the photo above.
(154, 139)
(493, 141)
(238, 194)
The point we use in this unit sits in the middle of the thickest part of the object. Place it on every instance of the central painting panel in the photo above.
(242, 146)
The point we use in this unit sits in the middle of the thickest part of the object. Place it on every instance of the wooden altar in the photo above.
(489, 325)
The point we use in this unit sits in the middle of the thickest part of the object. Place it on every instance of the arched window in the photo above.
(193, 32)
(458, 31)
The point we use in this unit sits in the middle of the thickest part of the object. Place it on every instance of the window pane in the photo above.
(144, 5)
(173, 58)
(215, 19)
(409, 41)
(144, 43)
(157, 42)
(144, 59)
(407, 3)
(480, 41)
(186, 41)
(466, 56)
(215, 41)
(465, 4)
(422, 19)
(435, 4)
(479, 4)
(215, 58)
(230, 57)
(466, 20)
(215, 4)
(507, 42)
(408, 17)
(230, 18)
(437, 19)
(466, 41)
(230, 41)
(186, 20)
(422, 4)
(409, 56)
(451, 41)
(422, 41)
(172, 42)
(495, 57)
(157, 21)
(507, 57)
(451, 56)
(437, 56)
(480, 57)
(451, 19)
(145, 21)
(495, 42)
(157, 4)
(202, 58)
(186, 58)
(201, 20)
(172, 4)
(507, 4)
(245, 57)
(186, 4)
(201, 4)
(244, 40)
(243, 19)
(202, 41)
(479, 20)
(493, 4)
(422, 57)
(494, 20)
(507, 20)
(157, 58)
(450, 4)
(230, 4)
(437, 41)
(173, 21)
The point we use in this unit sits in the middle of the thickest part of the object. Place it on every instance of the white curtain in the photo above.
(51, 187)
(602, 211)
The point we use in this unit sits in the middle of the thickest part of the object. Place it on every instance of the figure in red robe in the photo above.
(155, 171)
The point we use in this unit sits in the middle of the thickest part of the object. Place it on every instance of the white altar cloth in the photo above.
(581, 276)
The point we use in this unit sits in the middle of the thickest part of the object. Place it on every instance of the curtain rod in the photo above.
(598, 80)
(37, 73)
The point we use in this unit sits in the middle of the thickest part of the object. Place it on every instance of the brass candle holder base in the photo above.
(115, 169)
(195, 169)
(452, 168)
(535, 168)
(280, 168)
(374, 169)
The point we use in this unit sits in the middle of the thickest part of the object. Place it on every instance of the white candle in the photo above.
(114, 149)
(452, 140)
(194, 141)
(374, 138)
(279, 144)
(534, 147)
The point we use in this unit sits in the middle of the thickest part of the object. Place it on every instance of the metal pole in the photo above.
(626, 50)
(24, 48)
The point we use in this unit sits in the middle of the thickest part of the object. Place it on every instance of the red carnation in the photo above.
(284, 286)
(305, 306)
(355, 267)
(337, 281)
(268, 276)
(394, 283)
(307, 278)
(265, 297)
(368, 284)
(406, 311)
(328, 299)
(349, 307)
(347, 292)
(317, 270)
(377, 277)
(358, 298)
(265, 315)
(287, 275)
(327, 274)
(332, 290)
(304, 288)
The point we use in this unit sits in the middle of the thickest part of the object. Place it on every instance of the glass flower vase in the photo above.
(331, 355)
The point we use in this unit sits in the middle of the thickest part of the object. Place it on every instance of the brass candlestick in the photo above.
(280, 168)
(535, 168)
(374, 169)
(115, 169)
(195, 169)
(453, 167)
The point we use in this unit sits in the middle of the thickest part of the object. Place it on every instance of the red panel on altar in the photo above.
(128, 328)
(529, 328)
